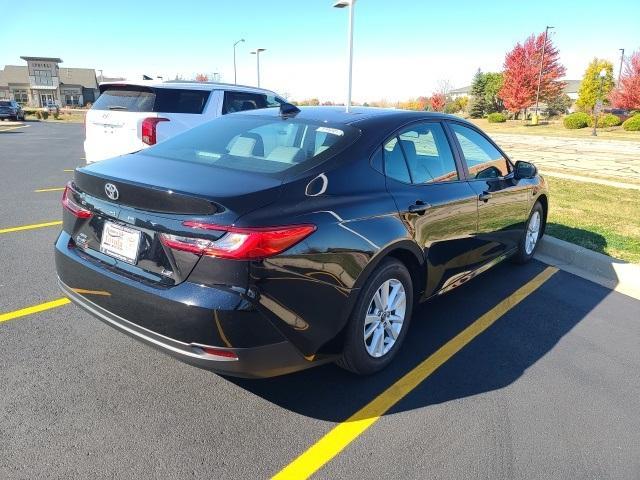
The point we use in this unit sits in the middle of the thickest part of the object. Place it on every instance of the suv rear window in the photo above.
(148, 99)
(257, 143)
(4, 103)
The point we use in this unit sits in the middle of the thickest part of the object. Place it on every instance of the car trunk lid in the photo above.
(157, 196)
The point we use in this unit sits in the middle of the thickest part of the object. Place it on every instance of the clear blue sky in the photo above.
(402, 48)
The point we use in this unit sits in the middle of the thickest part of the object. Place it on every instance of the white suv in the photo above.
(128, 117)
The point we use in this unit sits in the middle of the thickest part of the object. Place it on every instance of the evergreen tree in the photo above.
(478, 105)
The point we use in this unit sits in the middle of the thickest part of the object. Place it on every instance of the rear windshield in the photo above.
(144, 99)
(256, 143)
(4, 103)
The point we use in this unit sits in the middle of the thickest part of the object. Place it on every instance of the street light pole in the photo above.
(621, 62)
(235, 79)
(350, 4)
(544, 46)
(257, 54)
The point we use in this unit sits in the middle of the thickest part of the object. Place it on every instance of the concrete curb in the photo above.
(609, 272)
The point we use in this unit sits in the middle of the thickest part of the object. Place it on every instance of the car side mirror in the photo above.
(525, 170)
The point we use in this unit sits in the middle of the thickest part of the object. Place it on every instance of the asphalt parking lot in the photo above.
(525, 372)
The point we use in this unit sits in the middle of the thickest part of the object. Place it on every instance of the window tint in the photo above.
(178, 100)
(240, 101)
(144, 99)
(255, 143)
(394, 163)
(428, 154)
(130, 99)
(483, 159)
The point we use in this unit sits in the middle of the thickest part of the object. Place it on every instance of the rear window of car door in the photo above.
(240, 101)
(482, 158)
(426, 153)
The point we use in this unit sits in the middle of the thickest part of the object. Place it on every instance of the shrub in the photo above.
(576, 120)
(632, 124)
(497, 117)
(56, 115)
(607, 120)
(44, 114)
(38, 114)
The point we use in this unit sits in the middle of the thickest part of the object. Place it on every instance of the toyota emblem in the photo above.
(111, 190)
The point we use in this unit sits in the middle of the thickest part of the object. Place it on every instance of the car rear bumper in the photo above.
(179, 320)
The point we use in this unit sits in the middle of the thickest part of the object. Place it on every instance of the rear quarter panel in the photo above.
(309, 291)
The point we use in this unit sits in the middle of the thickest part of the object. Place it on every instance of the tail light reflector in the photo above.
(239, 243)
(149, 127)
(73, 207)
(218, 352)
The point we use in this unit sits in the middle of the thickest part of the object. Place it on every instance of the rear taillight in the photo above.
(239, 243)
(72, 206)
(149, 127)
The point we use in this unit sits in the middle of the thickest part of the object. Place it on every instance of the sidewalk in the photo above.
(578, 157)
(581, 178)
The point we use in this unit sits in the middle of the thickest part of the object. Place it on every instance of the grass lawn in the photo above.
(554, 129)
(67, 117)
(598, 217)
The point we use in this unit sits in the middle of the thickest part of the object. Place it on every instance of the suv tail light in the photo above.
(73, 207)
(239, 243)
(149, 126)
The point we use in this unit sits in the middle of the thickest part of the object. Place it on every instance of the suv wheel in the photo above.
(379, 320)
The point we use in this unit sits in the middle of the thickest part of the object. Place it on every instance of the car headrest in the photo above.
(286, 154)
(409, 148)
(243, 147)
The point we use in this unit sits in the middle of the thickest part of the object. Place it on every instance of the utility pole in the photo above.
(235, 79)
(621, 62)
(544, 46)
(350, 4)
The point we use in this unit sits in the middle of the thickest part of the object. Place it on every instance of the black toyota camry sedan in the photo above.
(269, 241)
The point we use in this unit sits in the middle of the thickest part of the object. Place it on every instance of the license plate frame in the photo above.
(120, 242)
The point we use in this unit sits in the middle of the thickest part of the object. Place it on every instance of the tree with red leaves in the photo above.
(627, 93)
(521, 71)
(201, 77)
(438, 101)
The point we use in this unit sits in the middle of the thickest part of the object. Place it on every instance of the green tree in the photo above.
(492, 86)
(559, 105)
(589, 91)
(477, 108)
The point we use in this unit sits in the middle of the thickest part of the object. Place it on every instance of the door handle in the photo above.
(419, 207)
(484, 196)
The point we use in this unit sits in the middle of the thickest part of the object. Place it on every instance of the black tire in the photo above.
(522, 256)
(355, 357)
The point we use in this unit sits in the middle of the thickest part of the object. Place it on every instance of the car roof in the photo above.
(186, 84)
(356, 115)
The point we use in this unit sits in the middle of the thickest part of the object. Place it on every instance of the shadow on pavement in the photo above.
(491, 361)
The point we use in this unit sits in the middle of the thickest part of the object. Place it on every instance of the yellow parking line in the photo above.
(12, 128)
(4, 317)
(54, 189)
(346, 432)
(68, 170)
(30, 227)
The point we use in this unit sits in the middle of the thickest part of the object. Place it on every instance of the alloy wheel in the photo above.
(385, 318)
(533, 233)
